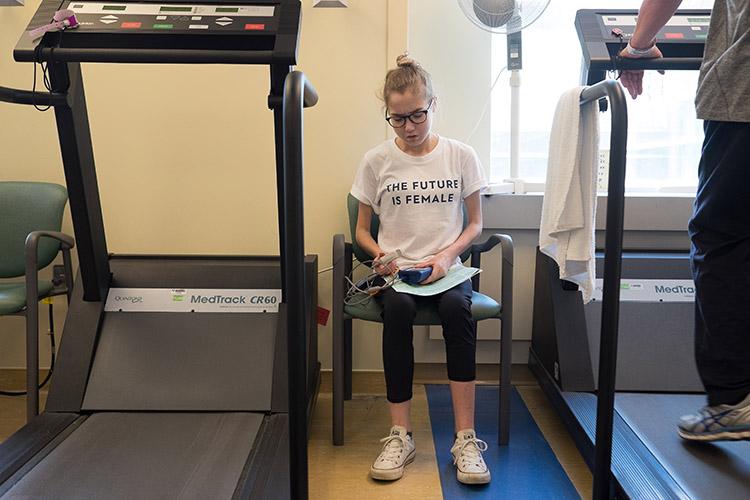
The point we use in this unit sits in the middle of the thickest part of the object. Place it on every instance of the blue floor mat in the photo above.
(526, 468)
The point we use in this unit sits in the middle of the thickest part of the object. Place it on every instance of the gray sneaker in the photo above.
(398, 451)
(716, 423)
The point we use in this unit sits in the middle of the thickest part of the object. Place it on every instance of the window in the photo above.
(664, 136)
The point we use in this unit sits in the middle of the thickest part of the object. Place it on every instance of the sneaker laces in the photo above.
(711, 416)
(392, 449)
(473, 453)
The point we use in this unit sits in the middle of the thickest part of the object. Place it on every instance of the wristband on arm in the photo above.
(631, 51)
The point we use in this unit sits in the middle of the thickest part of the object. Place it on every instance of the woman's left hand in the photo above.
(440, 264)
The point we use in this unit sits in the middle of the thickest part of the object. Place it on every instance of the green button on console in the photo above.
(163, 26)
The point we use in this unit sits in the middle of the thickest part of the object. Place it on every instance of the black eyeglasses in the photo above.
(416, 117)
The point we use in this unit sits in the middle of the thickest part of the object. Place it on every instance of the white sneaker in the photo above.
(467, 457)
(398, 451)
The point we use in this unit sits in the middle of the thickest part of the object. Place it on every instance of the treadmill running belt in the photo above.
(145, 456)
(703, 470)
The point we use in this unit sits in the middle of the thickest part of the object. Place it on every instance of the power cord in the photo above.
(620, 35)
(44, 66)
(51, 334)
(45, 80)
(486, 103)
(361, 291)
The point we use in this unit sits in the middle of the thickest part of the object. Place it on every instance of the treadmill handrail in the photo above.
(160, 56)
(661, 63)
(17, 96)
(298, 94)
(605, 400)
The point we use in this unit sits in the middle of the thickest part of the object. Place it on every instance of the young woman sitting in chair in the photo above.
(417, 185)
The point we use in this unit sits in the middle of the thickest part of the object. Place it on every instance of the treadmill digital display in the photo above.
(90, 11)
(676, 20)
(175, 9)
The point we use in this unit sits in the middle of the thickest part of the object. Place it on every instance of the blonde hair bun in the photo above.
(407, 75)
(404, 60)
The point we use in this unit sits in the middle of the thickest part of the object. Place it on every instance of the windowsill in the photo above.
(647, 211)
(629, 194)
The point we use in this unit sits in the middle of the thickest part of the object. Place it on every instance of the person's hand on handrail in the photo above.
(632, 79)
(652, 17)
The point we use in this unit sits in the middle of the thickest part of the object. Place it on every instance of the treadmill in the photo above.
(628, 437)
(179, 376)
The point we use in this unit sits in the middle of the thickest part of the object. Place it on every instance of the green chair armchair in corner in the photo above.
(483, 307)
(30, 239)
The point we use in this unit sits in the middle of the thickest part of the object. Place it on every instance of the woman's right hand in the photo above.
(384, 269)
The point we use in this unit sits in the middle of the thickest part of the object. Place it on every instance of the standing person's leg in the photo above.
(720, 259)
(399, 310)
(459, 331)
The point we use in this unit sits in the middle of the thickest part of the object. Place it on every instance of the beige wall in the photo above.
(184, 154)
(185, 159)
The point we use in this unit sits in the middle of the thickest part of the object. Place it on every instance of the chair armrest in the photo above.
(506, 247)
(342, 268)
(506, 286)
(32, 240)
(506, 244)
(32, 312)
(339, 268)
(32, 244)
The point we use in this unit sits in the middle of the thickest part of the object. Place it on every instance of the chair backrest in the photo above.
(26, 207)
(362, 256)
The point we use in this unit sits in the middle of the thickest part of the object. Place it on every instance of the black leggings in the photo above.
(459, 332)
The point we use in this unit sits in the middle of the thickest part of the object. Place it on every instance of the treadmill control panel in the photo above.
(167, 31)
(681, 26)
(155, 17)
(604, 32)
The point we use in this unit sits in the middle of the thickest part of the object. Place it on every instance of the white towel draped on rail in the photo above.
(566, 232)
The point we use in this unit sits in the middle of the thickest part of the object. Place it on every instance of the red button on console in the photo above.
(674, 35)
(131, 25)
(256, 27)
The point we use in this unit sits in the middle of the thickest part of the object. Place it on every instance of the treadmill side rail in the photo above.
(638, 473)
(264, 479)
(20, 447)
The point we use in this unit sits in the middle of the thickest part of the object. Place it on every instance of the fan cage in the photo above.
(503, 16)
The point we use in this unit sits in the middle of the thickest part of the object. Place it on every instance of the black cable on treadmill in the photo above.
(37, 60)
(617, 32)
(44, 66)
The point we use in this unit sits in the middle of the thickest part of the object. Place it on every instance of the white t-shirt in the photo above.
(418, 198)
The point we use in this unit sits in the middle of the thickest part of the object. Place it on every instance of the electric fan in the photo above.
(508, 17)
(503, 16)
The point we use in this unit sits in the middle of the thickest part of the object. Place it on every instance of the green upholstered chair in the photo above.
(483, 307)
(30, 239)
